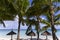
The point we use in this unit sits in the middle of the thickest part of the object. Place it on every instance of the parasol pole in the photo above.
(46, 37)
(11, 37)
(31, 37)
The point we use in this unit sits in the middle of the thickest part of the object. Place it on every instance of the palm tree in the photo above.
(36, 10)
(51, 11)
(11, 8)
(48, 21)
(33, 22)
(21, 7)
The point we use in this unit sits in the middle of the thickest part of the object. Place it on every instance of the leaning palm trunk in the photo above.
(38, 28)
(18, 35)
(37, 35)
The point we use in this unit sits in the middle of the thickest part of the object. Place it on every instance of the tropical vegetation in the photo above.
(10, 8)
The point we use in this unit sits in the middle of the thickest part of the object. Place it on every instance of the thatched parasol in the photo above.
(11, 33)
(46, 33)
(31, 34)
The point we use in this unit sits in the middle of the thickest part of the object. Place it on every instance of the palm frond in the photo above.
(57, 17)
(57, 22)
(28, 29)
(45, 28)
(45, 22)
(2, 22)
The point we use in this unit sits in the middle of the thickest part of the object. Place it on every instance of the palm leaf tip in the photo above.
(3, 23)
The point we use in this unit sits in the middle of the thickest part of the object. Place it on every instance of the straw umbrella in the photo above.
(31, 34)
(11, 33)
(46, 33)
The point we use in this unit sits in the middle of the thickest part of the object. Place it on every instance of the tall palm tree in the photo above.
(51, 11)
(21, 7)
(56, 20)
(11, 8)
(32, 12)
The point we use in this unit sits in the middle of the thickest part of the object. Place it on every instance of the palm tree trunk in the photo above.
(53, 33)
(37, 35)
(46, 37)
(31, 37)
(56, 37)
(51, 11)
(18, 35)
(38, 27)
(52, 22)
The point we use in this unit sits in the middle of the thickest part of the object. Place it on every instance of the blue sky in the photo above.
(14, 24)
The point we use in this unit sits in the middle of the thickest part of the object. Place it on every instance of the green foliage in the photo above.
(5, 12)
(45, 28)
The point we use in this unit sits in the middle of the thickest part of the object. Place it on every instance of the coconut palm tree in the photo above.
(55, 20)
(21, 7)
(11, 8)
(51, 12)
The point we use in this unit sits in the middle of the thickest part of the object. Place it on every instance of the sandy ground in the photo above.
(5, 38)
